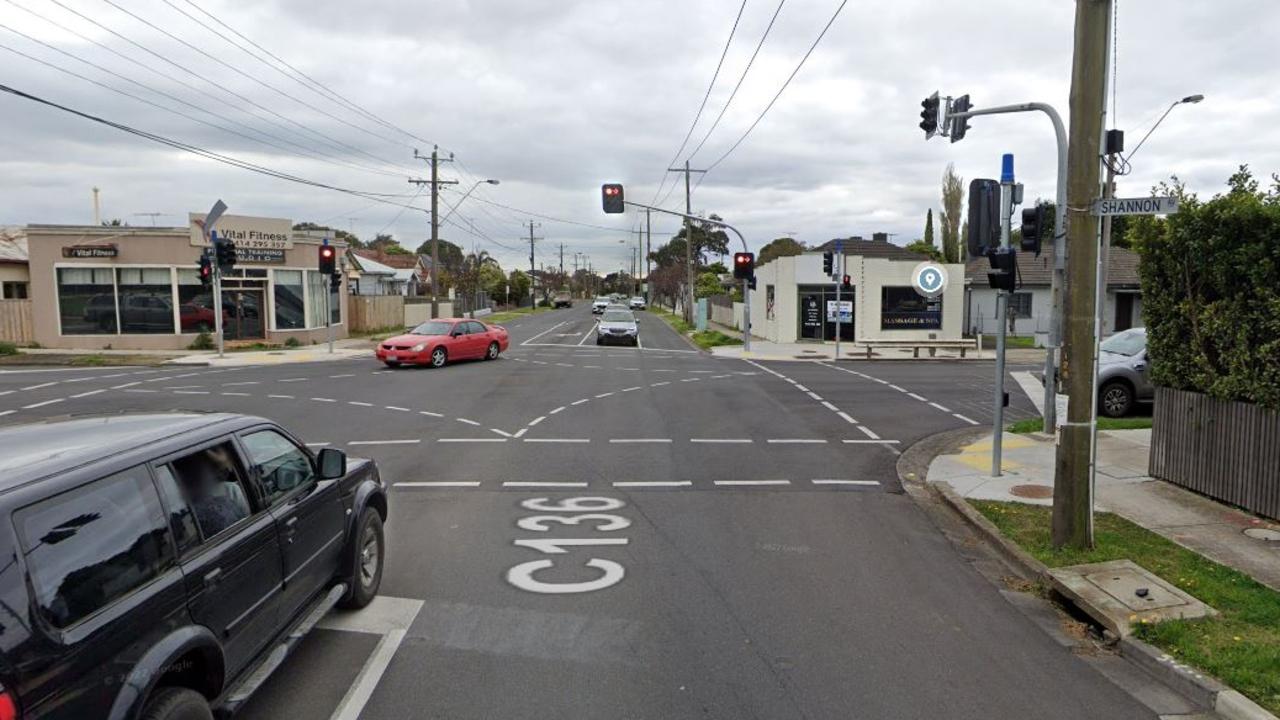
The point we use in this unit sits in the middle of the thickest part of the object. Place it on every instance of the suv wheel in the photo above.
(177, 703)
(1115, 399)
(369, 554)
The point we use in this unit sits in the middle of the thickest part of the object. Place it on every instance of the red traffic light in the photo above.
(611, 195)
(328, 264)
(744, 265)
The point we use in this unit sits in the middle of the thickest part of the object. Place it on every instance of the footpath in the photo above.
(344, 349)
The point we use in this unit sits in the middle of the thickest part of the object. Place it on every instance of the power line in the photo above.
(791, 77)
(208, 154)
(550, 218)
(702, 106)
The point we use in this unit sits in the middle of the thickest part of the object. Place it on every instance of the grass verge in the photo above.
(676, 322)
(713, 338)
(1241, 646)
(509, 315)
(79, 360)
(1031, 425)
(1010, 342)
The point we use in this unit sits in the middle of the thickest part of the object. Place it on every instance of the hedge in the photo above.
(1211, 291)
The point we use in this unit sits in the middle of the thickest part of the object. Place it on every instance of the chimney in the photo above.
(880, 237)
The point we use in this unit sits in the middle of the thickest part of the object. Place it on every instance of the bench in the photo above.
(931, 345)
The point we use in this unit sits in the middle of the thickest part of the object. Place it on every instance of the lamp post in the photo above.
(467, 195)
(1188, 100)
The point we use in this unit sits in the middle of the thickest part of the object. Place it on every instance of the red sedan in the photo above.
(437, 342)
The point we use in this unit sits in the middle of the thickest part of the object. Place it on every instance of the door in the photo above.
(811, 316)
(1124, 311)
(243, 312)
(234, 571)
(479, 338)
(308, 512)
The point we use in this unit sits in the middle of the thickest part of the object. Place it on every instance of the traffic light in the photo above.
(959, 125)
(744, 265)
(828, 262)
(206, 270)
(1032, 228)
(751, 283)
(335, 281)
(1003, 274)
(611, 193)
(328, 259)
(225, 253)
(984, 216)
(929, 116)
(846, 283)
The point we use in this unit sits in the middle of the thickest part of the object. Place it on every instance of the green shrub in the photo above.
(1211, 291)
(203, 341)
(292, 342)
(8, 348)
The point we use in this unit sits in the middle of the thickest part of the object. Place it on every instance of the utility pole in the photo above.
(562, 258)
(688, 240)
(435, 182)
(1071, 492)
(533, 278)
(648, 247)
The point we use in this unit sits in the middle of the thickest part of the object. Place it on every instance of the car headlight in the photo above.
(419, 347)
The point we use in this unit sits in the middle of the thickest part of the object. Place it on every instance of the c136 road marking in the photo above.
(593, 511)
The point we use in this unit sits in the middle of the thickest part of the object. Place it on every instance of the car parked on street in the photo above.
(637, 303)
(599, 304)
(439, 342)
(563, 299)
(160, 566)
(618, 325)
(1124, 373)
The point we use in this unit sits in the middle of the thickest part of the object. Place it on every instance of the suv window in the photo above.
(213, 486)
(182, 522)
(281, 465)
(88, 547)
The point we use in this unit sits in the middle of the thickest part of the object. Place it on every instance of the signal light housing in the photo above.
(612, 198)
(224, 251)
(744, 265)
(929, 116)
(846, 283)
(1003, 274)
(959, 126)
(328, 259)
(1032, 228)
(828, 262)
(205, 269)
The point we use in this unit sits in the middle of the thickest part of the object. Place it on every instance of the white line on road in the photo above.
(968, 420)
(870, 442)
(385, 442)
(559, 409)
(143, 390)
(465, 421)
(739, 441)
(293, 380)
(917, 397)
(360, 403)
(752, 482)
(660, 384)
(663, 370)
(438, 484)
(537, 420)
(281, 397)
(521, 432)
(557, 440)
(41, 385)
(530, 483)
(564, 364)
(845, 416)
(428, 413)
(845, 482)
(801, 388)
(632, 389)
(796, 441)
(827, 404)
(815, 396)
(374, 668)
(7, 412)
(397, 408)
(320, 399)
(943, 409)
(579, 402)
(343, 375)
(899, 389)
(604, 395)
(206, 392)
(705, 372)
(245, 382)
(472, 440)
(866, 431)
(235, 394)
(653, 483)
(87, 394)
(41, 404)
(121, 387)
(544, 332)
(639, 440)
(503, 433)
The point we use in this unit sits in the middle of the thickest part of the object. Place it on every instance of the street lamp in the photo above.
(467, 195)
(1188, 100)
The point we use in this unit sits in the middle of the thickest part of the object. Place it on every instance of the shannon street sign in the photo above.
(1135, 206)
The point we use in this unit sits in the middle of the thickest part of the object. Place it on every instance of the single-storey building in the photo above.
(795, 301)
(139, 287)
(373, 272)
(1031, 305)
(15, 279)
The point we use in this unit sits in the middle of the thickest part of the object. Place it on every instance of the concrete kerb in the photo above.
(1196, 686)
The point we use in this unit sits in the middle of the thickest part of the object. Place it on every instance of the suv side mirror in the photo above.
(332, 463)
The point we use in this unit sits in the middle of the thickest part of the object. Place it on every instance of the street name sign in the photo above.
(1135, 206)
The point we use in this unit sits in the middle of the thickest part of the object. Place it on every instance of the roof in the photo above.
(405, 275)
(13, 246)
(870, 248)
(370, 266)
(39, 449)
(398, 261)
(1038, 271)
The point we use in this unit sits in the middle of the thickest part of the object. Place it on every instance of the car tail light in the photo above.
(8, 708)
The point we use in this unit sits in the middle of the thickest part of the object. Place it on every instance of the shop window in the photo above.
(86, 301)
(195, 303)
(1020, 304)
(902, 308)
(15, 291)
(146, 300)
(318, 288)
(288, 293)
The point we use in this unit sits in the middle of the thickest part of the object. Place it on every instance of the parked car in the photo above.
(637, 303)
(160, 566)
(599, 304)
(1124, 373)
(439, 342)
(563, 299)
(618, 325)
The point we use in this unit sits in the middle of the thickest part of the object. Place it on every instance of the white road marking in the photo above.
(503, 433)
(7, 412)
(593, 367)
(235, 394)
(521, 432)
(467, 422)
(604, 395)
(281, 397)
(579, 402)
(870, 442)
(428, 413)
(663, 370)
(717, 377)
(360, 403)
(845, 482)
(943, 409)
(121, 387)
(917, 397)
(397, 408)
(374, 668)
(815, 396)
(538, 362)
(739, 441)
(42, 404)
(41, 385)
(827, 404)
(7, 392)
(544, 332)
(385, 442)
(895, 387)
(632, 389)
(530, 483)
(87, 394)
(203, 392)
(141, 390)
(705, 372)
(557, 440)
(564, 364)
(245, 382)
(866, 431)
(691, 380)
(653, 483)
(559, 409)
(845, 416)
(801, 388)
(438, 484)
(181, 387)
(472, 440)
(293, 380)
(752, 482)
(660, 384)
(343, 375)
(639, 440)
(537, 420)
(320, 399)
(968, 420)
(796, 441)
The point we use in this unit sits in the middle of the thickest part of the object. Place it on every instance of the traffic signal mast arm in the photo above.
(717, 223)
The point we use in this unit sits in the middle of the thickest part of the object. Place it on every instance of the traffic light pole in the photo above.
(746, 284)
(1002, 312)
(840, 265)
(217, 305)
(1058, 281)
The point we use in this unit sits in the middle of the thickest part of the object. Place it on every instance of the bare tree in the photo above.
(952, 202)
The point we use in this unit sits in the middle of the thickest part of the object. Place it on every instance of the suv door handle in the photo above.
(212, 577)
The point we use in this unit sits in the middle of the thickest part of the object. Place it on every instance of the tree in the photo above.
(708, 239)
(780, 247)
(928, 227)
(519, 282)
(718, 268)
(342, 235)
(708, 284)
(387, 244)
(450, 255)
(952, 201)
(924, 247)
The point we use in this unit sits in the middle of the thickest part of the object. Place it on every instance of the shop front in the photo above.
(139, 288)
(818, 306)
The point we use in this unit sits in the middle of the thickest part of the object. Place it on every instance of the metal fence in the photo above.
(1229, 451)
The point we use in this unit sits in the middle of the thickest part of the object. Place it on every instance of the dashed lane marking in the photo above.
(796, 441)
(867, 431)
(232, 394)
(537, 420)
(968, 420)
(472, 440)
(845, 482)
(322, 399)
(439, 484)
(652, 483)
(467, 421)
(870, 442)
(397, 408)
(42, 404)
(943, 409)
(536, 484)
(359, 403)
(917, 397)
(87, 394)
(579, 402)
(37, 387)
(503, 433)
(604, 395)
(727, 441)
(845, 416)
(206, 392)
(749, 483)
(413, 441)
(557, 440)
(559, 409)
(639, 440)
(428, 413)
(143, 390)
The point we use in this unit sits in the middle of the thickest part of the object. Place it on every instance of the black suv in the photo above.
(160, 566)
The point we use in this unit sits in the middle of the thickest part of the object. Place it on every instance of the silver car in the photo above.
(637, 303)
(1124, 373)
(599, 304)
(618, 326)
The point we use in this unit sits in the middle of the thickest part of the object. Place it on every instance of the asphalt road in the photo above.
(584, 532)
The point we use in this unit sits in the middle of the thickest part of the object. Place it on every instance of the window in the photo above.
(281, 465)
(86, 301)
(146, 300)
(1020, 304)
(475, 328)
(318, 289)
(211, 483)
(287, 290)
(195, 304)
(15, 291)
(902, 308)
(93, 545)
(182, 522)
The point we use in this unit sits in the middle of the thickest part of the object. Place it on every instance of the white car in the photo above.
(599, 304)
(637, 303)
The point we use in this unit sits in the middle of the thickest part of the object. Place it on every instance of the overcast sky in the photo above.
(554, 98)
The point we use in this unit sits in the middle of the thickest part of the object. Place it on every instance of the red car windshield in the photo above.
(433, 327)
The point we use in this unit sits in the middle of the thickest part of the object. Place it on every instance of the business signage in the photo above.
(248, 233)
(929, 279)
(915, 320)
(846, 311)
(259, 255)
(91, 251)
(811, 316)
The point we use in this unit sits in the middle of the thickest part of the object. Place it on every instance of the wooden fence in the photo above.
(1229, 451)
(15, 321)
(374, 312)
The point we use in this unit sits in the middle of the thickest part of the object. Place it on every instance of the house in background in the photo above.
(1032, 303)
(15, 276)
(374, 272)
